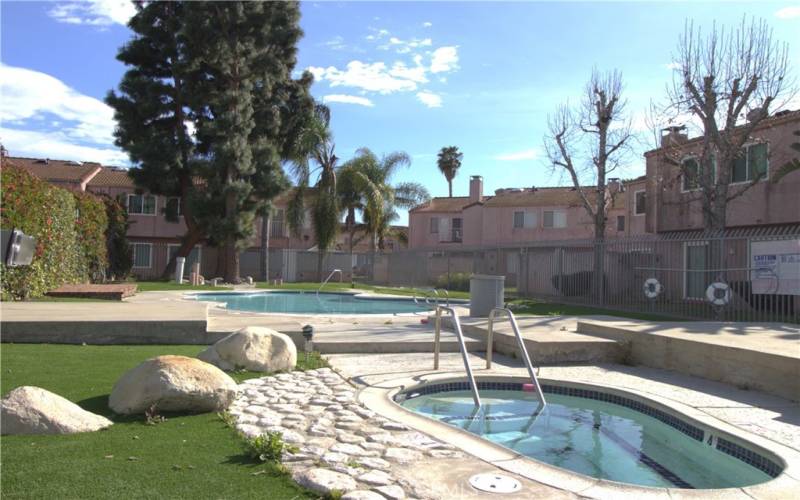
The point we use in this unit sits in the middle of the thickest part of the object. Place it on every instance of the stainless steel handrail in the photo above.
(427, 296)
(446, 295)
(325, 282)
(464, 355)
(520, 343)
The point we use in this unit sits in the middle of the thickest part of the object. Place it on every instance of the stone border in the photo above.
(381, 400)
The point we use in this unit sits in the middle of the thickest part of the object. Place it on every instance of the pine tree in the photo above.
(152, 114)
(242, 91)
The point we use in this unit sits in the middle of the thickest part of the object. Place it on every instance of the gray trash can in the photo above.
(485, 293)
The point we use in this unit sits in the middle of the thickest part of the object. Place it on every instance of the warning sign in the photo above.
(775, 267)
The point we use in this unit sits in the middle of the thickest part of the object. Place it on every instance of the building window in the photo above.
(692, 172)
(639, 202)
(434, 227)
(173, 206)
(142, 255)
(456, 230)
(620, 222)
(519, 219)
(277, 224)
(524, 219)
(555, 219)
(141, 204)
(751, 163)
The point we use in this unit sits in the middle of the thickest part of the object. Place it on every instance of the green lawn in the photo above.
(523, 307)
(336, 286)
(188, 456)
(161, 286)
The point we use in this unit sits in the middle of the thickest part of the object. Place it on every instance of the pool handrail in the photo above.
(520, 342)
(437, 336)
(426, 296)
(325, 281)
(446, 295)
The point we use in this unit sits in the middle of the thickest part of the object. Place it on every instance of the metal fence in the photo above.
(745, 276)
(734, 277)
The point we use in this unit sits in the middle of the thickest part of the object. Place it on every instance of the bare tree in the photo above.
(726, 82)
(588, 143)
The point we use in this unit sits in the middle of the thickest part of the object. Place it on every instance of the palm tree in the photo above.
(367, 187)
(316, 153)
(449, 161)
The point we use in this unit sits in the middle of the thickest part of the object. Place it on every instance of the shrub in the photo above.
(91, 224)
(120, 254)
(47, 213)
(458, 281)
(266, 447)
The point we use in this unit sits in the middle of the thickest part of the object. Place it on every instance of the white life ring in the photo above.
(652, 288)
(719, 293)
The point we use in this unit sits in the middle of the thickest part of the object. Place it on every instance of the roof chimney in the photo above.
(475, 188)
(674, 136)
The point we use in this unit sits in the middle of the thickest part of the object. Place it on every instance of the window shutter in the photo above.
(559, 219)
(444, 229)
(530, 219)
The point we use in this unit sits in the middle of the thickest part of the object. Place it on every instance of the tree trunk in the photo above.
(231, 272)
(190, 239)
(194, 234)
(320, 258)
(450, 187)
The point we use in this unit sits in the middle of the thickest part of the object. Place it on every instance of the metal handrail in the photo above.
(520, 343)
(427, 296)
(325, 282)
(446, 295)
(464, 355)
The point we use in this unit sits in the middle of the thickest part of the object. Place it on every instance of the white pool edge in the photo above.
(379, 398)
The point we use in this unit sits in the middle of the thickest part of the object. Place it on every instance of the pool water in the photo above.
(591, 437)
(311, 303)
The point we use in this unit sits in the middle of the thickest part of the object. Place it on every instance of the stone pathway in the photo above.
(340, 444)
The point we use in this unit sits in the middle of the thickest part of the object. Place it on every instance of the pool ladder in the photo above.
(325, 281)
(489, 345)
(435, 292)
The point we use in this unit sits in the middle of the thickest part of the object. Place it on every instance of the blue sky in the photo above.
(397, 76)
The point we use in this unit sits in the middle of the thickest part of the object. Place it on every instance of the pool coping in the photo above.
(358, 294)
(380, 398)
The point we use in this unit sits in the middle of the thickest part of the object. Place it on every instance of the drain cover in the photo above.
(494, 483)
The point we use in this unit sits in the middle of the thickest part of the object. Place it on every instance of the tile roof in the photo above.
(444, 204)
(112, 177)
(56, 170)
(541, 197)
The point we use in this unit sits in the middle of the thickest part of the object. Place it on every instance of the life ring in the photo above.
(719, 294)
(652, 288)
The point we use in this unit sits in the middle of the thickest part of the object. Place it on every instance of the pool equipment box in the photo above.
(485, 293)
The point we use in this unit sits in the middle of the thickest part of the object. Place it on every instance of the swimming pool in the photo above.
(312, 303)
(597, 434)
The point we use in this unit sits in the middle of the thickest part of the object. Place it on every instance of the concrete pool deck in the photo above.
(772, 420)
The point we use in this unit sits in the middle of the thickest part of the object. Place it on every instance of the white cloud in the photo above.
(427, 24)
(788, 12)
(32, 99)
(406, 46)
(94, 13)
(56, 145)
(415, 74)
(528, 154)
(348, 99)
(372, 77)
(444, 59)
(673, 66)
(429, 99)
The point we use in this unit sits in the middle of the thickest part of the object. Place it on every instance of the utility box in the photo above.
(485, 293)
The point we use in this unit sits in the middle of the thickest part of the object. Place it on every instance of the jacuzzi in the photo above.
(589, 439)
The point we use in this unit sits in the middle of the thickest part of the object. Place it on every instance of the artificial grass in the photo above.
(336, 286)
(187, 456)
(522, 307)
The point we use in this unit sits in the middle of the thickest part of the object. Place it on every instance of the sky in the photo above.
(398, 76)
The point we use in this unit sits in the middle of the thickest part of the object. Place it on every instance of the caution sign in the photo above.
(775, 267)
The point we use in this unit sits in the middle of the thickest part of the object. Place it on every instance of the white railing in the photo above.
(325, 282)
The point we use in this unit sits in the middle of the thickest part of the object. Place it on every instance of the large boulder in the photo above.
(33, 410)
(172, 383)
(253, 348)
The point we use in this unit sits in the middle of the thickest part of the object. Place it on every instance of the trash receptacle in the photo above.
(180, 262)
(485, 293)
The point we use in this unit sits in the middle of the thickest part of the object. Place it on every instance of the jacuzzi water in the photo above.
(311, 303)
(592, 437)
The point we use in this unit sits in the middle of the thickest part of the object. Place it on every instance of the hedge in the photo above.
(66, 227)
